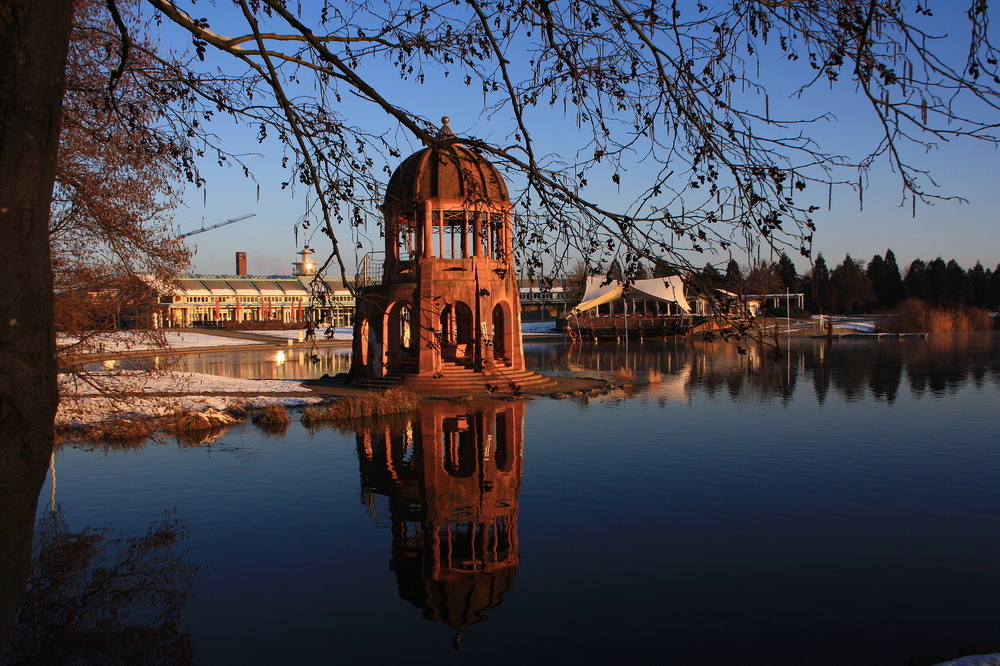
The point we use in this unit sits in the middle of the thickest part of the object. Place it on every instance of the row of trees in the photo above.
(853, 286)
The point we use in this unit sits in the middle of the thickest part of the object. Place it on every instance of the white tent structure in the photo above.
(664, 290)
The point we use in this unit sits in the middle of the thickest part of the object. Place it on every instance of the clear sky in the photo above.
(966, 232)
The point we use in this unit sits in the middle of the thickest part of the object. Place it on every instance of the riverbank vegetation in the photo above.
(914, 315)
(390, 401)
(856, 287)
(194, 427)
(135, 430)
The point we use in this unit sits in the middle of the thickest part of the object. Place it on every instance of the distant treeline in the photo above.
(854, 287)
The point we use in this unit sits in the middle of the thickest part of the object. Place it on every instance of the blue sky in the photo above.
(965, 232)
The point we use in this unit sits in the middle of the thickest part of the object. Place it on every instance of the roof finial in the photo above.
(445, 131)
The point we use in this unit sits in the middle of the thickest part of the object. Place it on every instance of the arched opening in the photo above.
(376, 350)
(502, 445)
(404, 448)
(398, 338)
(457, 332)
(447, 332)
(501, 335)
(406, 239)
(459, 446)
(406, 337)
(362, 342)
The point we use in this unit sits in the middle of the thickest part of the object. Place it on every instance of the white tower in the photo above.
(305, 266)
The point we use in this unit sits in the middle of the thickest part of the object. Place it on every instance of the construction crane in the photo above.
(216, 226)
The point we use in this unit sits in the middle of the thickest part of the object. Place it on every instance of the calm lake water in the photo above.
(837, 505)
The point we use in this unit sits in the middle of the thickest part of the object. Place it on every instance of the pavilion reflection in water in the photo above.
(449, 478)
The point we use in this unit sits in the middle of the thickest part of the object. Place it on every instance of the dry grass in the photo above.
(121, 431)
(273, 420)
(623, 376)
(654, 377)
(390, 401)
(273, 415)
(187, 421)
(135, 431)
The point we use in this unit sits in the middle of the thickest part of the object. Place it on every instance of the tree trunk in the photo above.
(33, 43)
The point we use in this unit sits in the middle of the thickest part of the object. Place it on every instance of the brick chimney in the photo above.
(241, 263)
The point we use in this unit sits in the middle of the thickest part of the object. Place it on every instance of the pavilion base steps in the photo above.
(456, 378)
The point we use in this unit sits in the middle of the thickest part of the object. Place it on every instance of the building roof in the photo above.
(667, 290)
(191, 287)
(243, 287)
(218, 287)
(268, 288)
(252, 285)
(454, 172)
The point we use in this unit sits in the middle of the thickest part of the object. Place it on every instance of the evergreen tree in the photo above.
(734, 277)
(662, 269)
(886, 280)
(851, 287)
(993, 291)
(820, 285)
(615, 271)
(892, 282)
(916, 282)
(979, 283)
(938, 283)
(876, 273)
(786, 271)
(711, 278)
(958, 281)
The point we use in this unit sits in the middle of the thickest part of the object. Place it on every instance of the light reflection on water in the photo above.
(837, 505)
(292, 363)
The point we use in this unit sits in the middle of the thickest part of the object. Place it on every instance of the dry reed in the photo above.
(916, 316)
(654, 377)
(120, 430)
(623, 376)
(390, 401)
(273, 415)
(186, 421)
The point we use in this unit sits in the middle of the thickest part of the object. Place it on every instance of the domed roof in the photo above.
(447, 173)
(459, 600)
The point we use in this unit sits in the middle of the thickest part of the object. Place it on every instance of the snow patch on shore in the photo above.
(176, 382)
(342, 333)
(184, 391)
(124, 341)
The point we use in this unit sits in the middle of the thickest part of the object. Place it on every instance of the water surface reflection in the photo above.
(98, 597)
(446, 482)
(826, 505)
(856, 369)
(295, 362)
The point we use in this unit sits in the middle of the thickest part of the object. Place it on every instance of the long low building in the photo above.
(213, 300)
